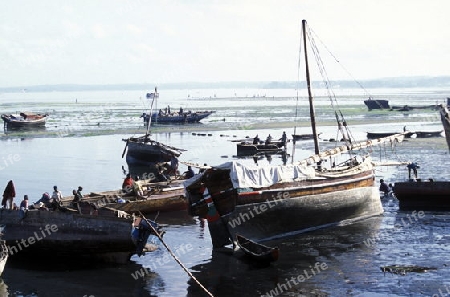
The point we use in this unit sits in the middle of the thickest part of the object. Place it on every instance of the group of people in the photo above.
(46, 202)
(269, 139)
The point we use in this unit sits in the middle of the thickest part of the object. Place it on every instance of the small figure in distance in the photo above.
(413, 166)
(77, 196)
(8, 195)
(284, 139)
(202, 169)
(189, 173)
(268, 139)
(45, 200)
(57, 197)
(127, 185)
(256, 139)
(384, 187)
(137, 187)
(23, 207)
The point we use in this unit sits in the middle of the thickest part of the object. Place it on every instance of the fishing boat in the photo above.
(307, 136)
(72, 236)
(376, 135)
(423, 195)
(264, 202)
(181, 117)
(156, 197)
(445, 119)
(24, 120)
(413, 107)
(143, 150)
(257, 251)
(428, 134)
(248, 149)
(376, 103)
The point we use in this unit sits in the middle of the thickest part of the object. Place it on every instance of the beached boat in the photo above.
(376, 103)
(257, 251)
(157, 197)
(445, 119)
(423, 195)
(428, 134)
(297, 137)
(181, 117)
(145, 151)
(376, 135)
(261, 202)
(24, 120)
(413, 107)
(72, 236)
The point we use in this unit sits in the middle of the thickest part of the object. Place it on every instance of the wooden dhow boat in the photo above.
(181, 117)
(24, 120)
(260, 202)
(145, 151)
(248, 149)
(423, 195)
(73, 237)
(157, 197)
(376, 103)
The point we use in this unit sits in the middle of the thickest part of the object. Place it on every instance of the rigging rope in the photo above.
(175, 257)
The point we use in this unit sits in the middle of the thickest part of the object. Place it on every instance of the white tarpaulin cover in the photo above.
(245, 176)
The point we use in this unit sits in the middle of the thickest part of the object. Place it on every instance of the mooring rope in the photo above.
(175, 257)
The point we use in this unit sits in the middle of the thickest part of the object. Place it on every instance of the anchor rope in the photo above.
(175, 257)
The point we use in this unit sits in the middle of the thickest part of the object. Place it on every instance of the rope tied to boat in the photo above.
(175, 257)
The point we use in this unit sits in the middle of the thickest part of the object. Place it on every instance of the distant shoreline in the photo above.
(185, 128)
(387, 82)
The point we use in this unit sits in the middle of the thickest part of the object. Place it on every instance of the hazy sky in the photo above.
(139, 41)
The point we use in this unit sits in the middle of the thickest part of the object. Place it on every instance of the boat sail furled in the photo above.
(145, 151)
(267, 202)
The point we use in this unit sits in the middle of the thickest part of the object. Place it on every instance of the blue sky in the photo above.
(112, 41)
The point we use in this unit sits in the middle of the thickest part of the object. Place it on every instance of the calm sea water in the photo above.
(82, 145)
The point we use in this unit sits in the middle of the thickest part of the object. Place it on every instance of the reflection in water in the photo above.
(123, 280)
(9, 129)
(307, 265)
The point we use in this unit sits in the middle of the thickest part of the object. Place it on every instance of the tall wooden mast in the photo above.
(308, 83)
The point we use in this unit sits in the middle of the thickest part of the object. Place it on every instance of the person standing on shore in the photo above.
(284, 139)
(8, 195)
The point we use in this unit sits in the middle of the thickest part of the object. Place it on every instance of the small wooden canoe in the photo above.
(257, 251)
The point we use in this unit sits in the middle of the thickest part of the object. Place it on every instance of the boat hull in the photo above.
(303, 213)
(193, 117)
(377, 104)
(423, 195)
(139, 153)
(67, 235)
(247, 149)
(283, 208)
(11, 121)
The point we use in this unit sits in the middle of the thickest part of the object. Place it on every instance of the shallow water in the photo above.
(353, 254)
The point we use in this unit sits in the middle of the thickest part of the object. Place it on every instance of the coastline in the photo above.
(197, 128)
